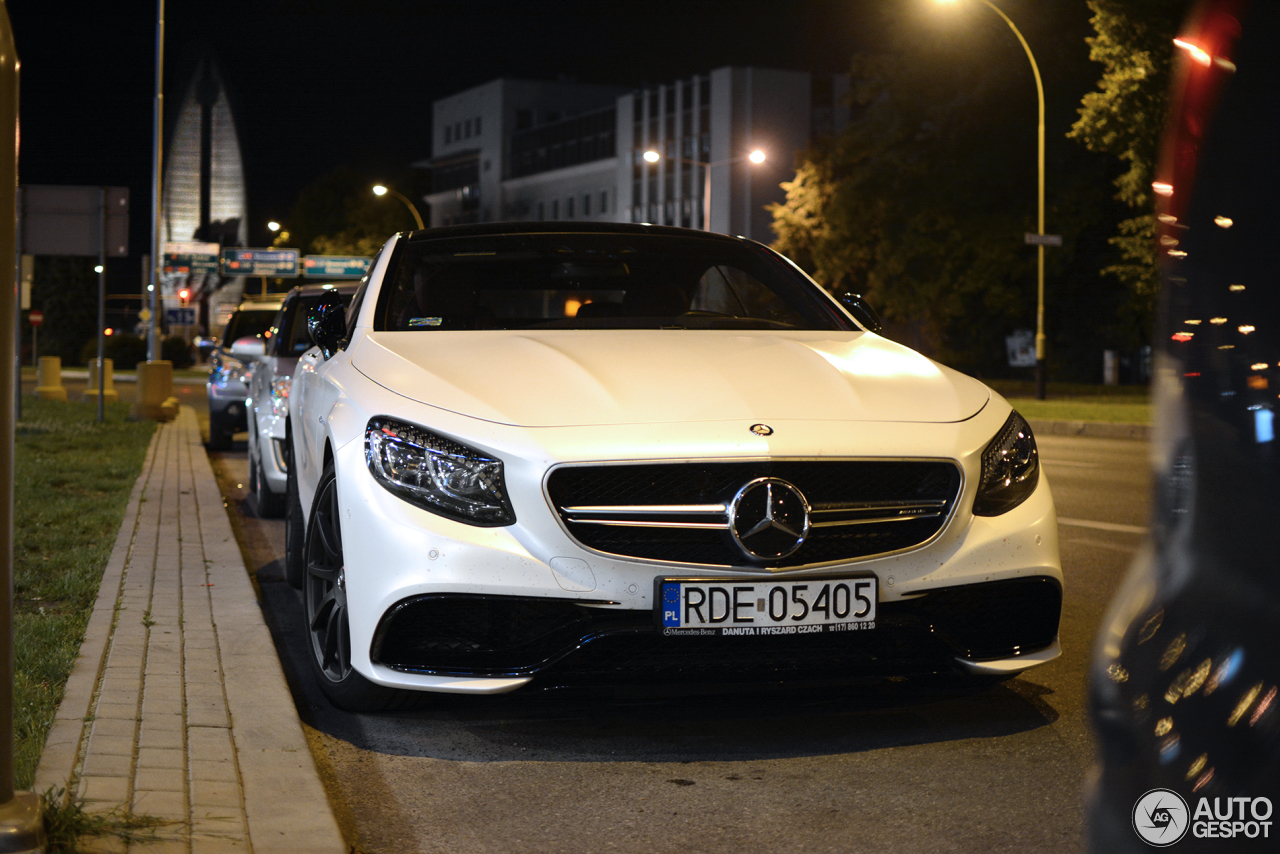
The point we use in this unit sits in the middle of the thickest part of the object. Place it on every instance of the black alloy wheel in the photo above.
(324, 597)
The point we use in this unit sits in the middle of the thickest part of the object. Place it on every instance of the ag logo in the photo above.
(1161, 818)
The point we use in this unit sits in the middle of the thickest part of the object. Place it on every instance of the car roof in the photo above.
(532, 228)
(348, 287)
(261, 302)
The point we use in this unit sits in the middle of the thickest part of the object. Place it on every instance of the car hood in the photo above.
(557, 378)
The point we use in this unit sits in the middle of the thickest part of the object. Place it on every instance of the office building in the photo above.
(527, 151)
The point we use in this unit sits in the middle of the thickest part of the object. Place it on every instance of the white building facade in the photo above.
(527, 151)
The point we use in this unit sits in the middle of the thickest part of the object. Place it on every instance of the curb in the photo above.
(1094, 429)
(177, 705)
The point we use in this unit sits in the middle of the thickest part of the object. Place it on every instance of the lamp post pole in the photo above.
(1040, 337)
(157, 175)
(756, 156)
(380, 190)
(1035, 69)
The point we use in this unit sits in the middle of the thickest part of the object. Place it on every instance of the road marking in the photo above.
(1103, 526)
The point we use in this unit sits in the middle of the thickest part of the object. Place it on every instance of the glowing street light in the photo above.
(273, 226)
(757, 157)
(1035, 70)
(380, 190)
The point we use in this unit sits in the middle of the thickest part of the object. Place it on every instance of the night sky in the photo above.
(319, 84)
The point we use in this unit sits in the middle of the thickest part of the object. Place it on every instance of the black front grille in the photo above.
(828, 486)
(561, 641)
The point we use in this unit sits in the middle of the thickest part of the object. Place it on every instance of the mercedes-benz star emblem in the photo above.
(769, 518)
(762, 429)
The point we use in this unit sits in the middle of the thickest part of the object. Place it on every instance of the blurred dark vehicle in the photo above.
(285, 341)
(1185, 676)
(231, 364)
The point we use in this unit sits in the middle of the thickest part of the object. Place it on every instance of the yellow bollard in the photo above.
(109, 393)
(155, 391)
(49, 379)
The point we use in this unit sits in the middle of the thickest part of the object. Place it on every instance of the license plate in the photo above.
(763, 607)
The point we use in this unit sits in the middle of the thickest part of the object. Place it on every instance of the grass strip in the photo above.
(1114, 404)
(72, 480)
(1084, 409)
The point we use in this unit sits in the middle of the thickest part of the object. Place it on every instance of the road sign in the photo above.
(144, 315)
(1043, 239)
(260, 262)
(63, 220)
(180, 316)
(335, 266)
(36, 317)
(193, 257)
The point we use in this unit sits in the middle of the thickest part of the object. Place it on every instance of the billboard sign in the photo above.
(191, 258)
(67, 220)
(335, 266)
(260, 262)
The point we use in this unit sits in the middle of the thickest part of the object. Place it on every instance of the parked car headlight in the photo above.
(1010, 469)
(280, 396)
(437, 474)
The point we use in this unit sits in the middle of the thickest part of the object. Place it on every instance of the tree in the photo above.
(338, 214)
(66, 290)
(1125, 117)
(909, 206)
(921, 203)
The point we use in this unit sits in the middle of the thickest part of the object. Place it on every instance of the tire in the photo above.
(219, 435)
(294, 532)
(325, 607)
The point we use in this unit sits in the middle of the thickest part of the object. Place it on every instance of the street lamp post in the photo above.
(757, 156)
(380, 190)
(1035, 69)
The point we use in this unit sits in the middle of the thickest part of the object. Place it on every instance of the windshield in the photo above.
(246, 322)
(596, 281)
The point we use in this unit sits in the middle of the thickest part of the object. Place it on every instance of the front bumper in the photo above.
(439, 605)
(988, 626)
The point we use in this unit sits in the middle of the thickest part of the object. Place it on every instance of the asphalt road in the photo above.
(902, 768)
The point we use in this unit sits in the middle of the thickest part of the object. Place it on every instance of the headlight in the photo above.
(280, 396)
(1010, 469)
(437, 474)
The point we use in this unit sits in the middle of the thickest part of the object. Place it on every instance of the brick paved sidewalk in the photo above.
(177, 706)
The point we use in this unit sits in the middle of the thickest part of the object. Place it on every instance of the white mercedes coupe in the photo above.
(560, 453)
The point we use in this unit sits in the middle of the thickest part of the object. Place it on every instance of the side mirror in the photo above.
(862, 312)
(248, 347)
(327, 324)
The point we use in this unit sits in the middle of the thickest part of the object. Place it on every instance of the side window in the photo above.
(274, 346)
(732, 292)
